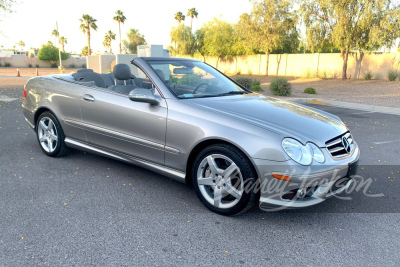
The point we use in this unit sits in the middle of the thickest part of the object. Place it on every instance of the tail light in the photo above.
(24, 93)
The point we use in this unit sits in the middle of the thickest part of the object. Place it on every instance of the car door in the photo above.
(113, 121)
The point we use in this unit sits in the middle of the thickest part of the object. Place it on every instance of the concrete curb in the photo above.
(371, 108)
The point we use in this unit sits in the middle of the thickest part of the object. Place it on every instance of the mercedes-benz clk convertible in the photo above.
(186, 120)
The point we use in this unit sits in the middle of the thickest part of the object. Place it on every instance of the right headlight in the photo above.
(316, 153)
(296, 151)
(302, 154)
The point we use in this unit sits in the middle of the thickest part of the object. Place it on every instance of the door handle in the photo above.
(88, 98)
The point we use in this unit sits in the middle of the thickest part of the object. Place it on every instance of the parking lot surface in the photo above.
(87, 210)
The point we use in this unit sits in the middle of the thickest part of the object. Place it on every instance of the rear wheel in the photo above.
(224, 179)
(50, 135)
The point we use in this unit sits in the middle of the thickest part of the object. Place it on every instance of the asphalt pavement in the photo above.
(87, 210)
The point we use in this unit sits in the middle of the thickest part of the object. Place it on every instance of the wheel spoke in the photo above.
(229, 171)
(42, 125)
(231, 190)
(53, 137)
(50, 125)
(217, 197)
(205, 181)
(212, 165)
(49, 144)
(43, 138)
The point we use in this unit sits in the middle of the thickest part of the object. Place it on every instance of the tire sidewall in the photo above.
(247, 174)
(60, 133)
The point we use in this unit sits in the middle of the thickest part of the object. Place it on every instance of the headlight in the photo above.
(316, 153)
(299, 153)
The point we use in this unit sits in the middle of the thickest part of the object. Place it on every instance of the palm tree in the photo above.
(179, 17)
(192, 13)
(107, 42)
(21, 44)
(108, 38)
(63, 41)
(120, 18)
(88, 22)
(55, 33)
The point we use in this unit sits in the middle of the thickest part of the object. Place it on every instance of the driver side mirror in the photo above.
(144, 96)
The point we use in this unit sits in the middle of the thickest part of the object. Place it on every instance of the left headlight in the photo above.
(302, 154)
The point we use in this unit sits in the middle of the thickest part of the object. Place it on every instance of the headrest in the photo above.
(160, 74)
(122, 72)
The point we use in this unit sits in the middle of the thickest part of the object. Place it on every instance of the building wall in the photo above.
(23, 62)
(329, 65)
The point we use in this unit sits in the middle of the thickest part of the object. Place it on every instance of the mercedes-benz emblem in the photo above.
(346, 144)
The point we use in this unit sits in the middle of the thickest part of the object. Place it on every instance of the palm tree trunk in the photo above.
(88, 41)
(267, 55)
(345, 58)
(120, 48)
(191, 24)
(63, 47)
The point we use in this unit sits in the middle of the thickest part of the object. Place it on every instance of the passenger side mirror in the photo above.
(144, 96)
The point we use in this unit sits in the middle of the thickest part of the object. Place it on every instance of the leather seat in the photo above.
(87, 75)
(124, 83)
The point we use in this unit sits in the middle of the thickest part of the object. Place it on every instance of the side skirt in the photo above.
(168, 172)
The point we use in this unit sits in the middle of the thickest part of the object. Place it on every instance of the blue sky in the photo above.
(33, 21)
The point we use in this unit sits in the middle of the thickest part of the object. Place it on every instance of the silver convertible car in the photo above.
(186, 120)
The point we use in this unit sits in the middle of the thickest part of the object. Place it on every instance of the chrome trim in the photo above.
(160, 169)
(30, 124)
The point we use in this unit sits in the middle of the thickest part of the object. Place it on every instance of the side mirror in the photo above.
(144, 96)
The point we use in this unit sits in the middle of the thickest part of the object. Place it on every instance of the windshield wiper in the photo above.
(232, 93)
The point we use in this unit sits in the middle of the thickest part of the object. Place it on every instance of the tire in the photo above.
(50, 135)
(233, 178)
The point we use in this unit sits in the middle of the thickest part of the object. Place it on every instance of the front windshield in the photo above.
(194, 79)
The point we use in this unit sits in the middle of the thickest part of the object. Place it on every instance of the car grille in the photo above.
(336, 148)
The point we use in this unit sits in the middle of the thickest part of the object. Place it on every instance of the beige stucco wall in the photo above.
(23, 62)
(327, 65)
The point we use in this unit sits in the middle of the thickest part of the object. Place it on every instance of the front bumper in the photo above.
(316, 182)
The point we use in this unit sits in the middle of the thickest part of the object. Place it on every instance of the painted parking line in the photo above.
(4, 98)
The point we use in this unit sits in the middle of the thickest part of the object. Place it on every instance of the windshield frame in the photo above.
(170, 60)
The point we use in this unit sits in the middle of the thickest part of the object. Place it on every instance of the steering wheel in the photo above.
(198, 87)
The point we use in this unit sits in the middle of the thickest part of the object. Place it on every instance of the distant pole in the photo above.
(58, 40)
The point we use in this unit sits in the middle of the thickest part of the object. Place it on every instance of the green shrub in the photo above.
(280, 86)
(244, 81)
(72, 66)
(51, 53)
(368, 75)
(37, 66)
(310, 90)
(53, 65)
(256, 82)
(83, 66)
(108, 71)
(256, 88)
(29, 65)
(1, 64)
(190, 79)
(174, 79)
(392, 75)
(7, 64)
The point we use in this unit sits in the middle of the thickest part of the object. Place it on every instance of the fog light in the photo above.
(301, 193)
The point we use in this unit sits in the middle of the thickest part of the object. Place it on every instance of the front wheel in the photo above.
(50, 135)
(224, 179)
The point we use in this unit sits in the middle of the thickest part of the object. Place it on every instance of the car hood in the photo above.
(282, 117)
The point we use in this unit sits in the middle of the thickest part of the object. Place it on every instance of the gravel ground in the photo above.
(29, 72)
(373, 92)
